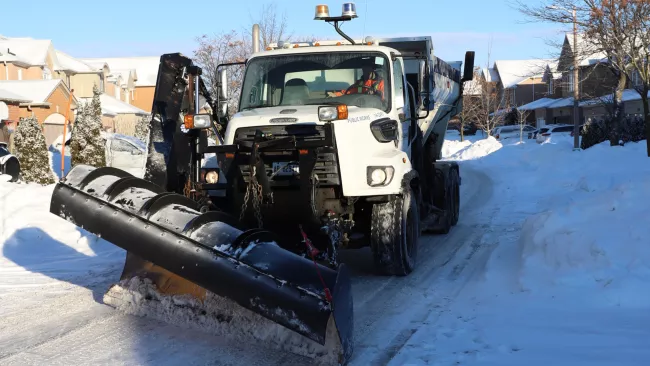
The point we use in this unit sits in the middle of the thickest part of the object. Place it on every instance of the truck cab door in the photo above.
(402, 103)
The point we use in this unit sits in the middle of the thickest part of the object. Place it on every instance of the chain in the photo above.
(255, 189)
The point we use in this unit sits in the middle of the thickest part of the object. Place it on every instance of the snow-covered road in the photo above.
(63, 322)
(511, 284)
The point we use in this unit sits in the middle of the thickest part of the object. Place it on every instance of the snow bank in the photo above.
(39, 249)
(591, 232)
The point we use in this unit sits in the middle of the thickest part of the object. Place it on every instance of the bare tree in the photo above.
(522, 117)
(491, 108)
(236, 46)
(222, 48)
(471, 103)
(622, 29)
(616, 28)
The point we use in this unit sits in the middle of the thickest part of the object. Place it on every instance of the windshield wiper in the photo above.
(257, 106)
(325, 103)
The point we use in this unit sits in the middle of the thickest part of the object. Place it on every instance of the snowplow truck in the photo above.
(254, 206)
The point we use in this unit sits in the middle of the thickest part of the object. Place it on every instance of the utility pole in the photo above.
(576, 86)
(576, 74)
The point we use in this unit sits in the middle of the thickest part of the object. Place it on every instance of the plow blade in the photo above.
(184, 251)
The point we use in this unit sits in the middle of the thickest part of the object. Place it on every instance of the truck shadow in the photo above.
(95, 265)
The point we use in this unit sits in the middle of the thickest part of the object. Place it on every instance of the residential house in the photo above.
(80, 76)
(47, 100)
(118, 116)
(26, 59)
(520, 81)
(144, 77)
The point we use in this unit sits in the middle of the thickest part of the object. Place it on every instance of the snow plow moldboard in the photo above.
(164, 229)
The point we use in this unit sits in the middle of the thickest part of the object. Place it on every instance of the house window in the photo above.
(101, 84)
(550, 85)
(571, 81)
(47, 74)
(20, 74)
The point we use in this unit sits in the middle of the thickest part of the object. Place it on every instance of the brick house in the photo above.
(47, 100)
(138, 77)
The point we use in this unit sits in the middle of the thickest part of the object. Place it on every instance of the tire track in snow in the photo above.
(389, 318)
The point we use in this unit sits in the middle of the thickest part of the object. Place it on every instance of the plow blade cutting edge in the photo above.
(184, 251)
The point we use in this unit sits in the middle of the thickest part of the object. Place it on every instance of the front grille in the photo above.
(301, 132)
(326, 167)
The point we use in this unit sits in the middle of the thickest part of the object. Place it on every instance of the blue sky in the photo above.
(154, 27)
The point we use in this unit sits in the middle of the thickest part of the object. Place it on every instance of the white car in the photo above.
(512, 132)
(545, 133)
(127, 153)
(123, 152)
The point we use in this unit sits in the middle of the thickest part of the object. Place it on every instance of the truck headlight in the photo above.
(331, 113)
(379, 175)
(197, 121)
(210, 176)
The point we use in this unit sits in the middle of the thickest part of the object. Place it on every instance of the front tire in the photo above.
(395, 234)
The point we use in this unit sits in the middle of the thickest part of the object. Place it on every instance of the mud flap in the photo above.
(186, 252)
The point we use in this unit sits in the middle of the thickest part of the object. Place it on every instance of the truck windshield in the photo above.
(354, 78)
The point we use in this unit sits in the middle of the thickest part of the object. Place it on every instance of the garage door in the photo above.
(53, 127)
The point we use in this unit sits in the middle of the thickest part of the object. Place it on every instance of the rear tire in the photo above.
(395, 233)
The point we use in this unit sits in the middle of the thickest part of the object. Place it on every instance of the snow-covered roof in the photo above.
(69, 63)
(513, 72)
(587, 53)
(96, 64)
(628, 96)
(113, 106)
(33, 90)
(472, 87)
(9, 96)
(490, 74)
(125, 75)
(28, 51)
(539, 103)
(561, 103)
(552, 70)
(146, 67)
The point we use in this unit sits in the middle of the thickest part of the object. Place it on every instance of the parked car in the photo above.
(122, 152)
(9, 163)
(546, 132)
(126, 153)
(511, 131)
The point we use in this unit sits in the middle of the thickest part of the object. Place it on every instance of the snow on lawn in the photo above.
(568, 279)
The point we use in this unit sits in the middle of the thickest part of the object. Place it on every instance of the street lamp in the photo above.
(576, 91)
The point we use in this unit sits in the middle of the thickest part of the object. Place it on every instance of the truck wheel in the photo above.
(455, 194)
(395, 233)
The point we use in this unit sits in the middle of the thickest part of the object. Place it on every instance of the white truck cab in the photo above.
(315, 145)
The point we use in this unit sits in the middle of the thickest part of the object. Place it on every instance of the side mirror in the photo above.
(223, 84)
(422, 82)
(222, 110)
(468, 70)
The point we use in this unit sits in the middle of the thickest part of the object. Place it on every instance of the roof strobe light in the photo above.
(322, 11)
(349, 10)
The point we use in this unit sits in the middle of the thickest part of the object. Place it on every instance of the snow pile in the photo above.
(566, 265)
(466, 150)
(591, 232)
(219, 316)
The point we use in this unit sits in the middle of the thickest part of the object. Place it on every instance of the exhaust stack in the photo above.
(256, 38)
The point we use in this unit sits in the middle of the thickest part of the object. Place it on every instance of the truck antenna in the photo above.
(349, 13)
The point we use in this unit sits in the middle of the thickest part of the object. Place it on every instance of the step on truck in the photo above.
(314, 160)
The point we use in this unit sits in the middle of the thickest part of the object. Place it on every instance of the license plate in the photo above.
(283, 169)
